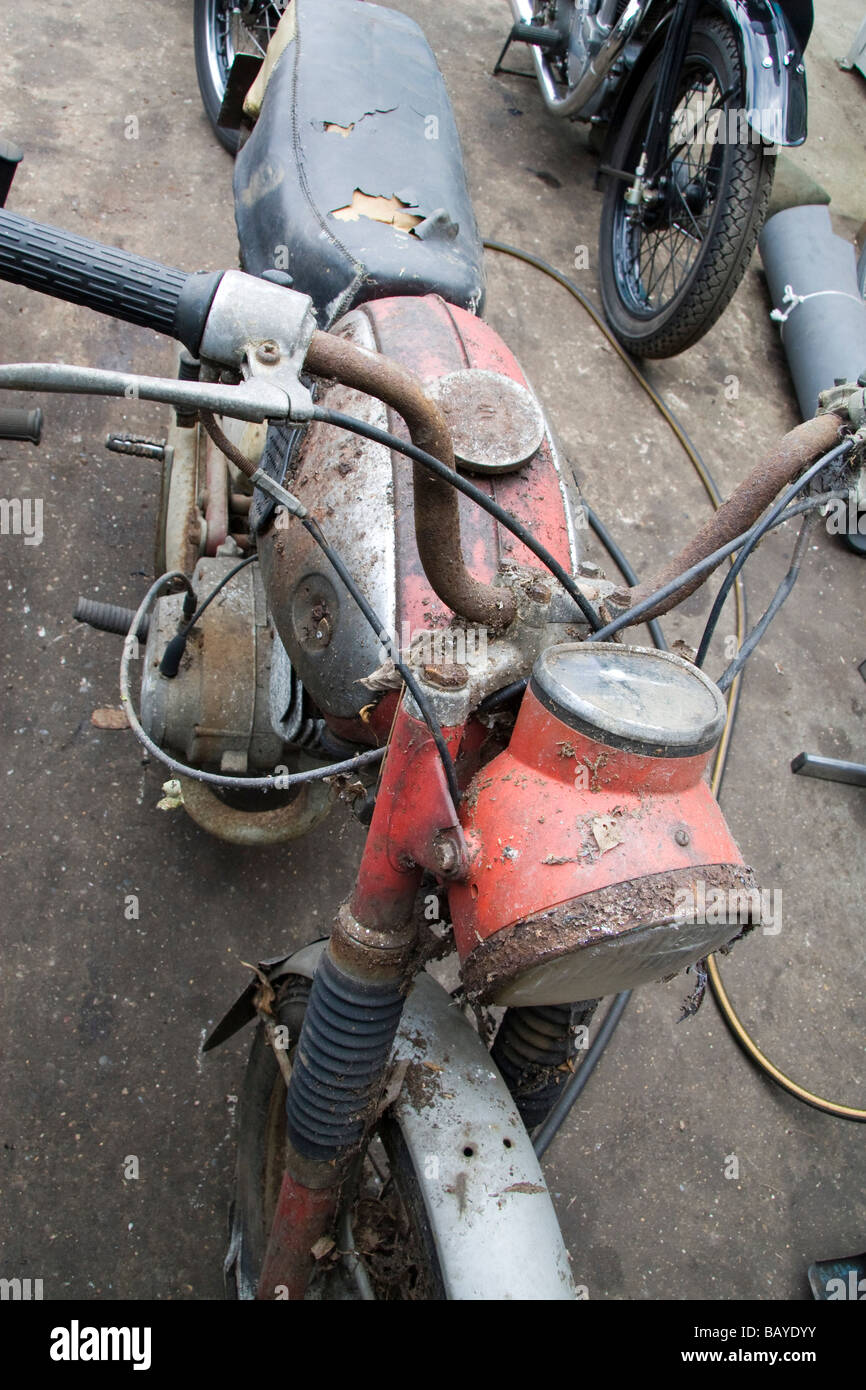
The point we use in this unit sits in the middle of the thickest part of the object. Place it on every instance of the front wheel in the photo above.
(384, 1248)
(669, 266)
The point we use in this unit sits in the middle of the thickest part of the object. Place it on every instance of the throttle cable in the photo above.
(840, 451)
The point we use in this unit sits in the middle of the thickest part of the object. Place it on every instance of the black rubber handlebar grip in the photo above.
(25, 425)
(105, 278)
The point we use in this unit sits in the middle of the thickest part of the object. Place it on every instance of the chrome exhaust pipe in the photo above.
(598, 69)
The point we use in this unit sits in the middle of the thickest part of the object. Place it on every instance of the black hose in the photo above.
(502, 697)
(784, 589)
(758, 532)
(624, 568)
(381, 632)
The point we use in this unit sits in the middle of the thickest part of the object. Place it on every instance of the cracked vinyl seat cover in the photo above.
(352, 179)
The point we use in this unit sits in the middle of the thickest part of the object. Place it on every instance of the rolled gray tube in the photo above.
(824, 333)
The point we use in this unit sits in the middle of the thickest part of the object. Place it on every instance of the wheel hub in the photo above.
(693, 191)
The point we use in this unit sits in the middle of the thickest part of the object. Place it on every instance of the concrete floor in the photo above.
(103, 1017)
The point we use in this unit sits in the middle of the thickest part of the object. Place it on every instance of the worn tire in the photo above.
(745, 184)
(210, 70)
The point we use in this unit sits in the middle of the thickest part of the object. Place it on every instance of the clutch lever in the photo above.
(254, 399)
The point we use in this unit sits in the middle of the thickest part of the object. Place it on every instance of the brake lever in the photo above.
(254, 399)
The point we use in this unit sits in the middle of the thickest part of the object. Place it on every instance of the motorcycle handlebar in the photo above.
(784, 463)
(106, 278)
(174, 302)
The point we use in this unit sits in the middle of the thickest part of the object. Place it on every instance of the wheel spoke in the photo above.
(682, 107)
(647, 275)
(659, 281)
(691, 215)
(686, 232)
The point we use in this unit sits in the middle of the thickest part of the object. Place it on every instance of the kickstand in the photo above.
(509, 72)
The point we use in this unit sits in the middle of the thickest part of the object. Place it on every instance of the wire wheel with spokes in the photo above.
(670, 264)
(222, 29)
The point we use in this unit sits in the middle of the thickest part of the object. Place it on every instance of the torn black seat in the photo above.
(352, 179)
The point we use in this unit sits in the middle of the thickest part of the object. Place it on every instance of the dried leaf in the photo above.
(385, 677)
(173, 798)
(109, 718)
(393, 1085)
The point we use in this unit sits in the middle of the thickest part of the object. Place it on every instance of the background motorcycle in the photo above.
(695, 98)
(222, 29)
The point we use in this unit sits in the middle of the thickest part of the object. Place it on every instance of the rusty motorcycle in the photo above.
(358, 468)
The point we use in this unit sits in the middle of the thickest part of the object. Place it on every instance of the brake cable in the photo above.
(805, 478)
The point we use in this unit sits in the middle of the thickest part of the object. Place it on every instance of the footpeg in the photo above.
(137, 444)
(536, 34)
(109, 617)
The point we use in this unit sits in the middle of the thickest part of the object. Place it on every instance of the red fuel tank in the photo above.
(361, 492)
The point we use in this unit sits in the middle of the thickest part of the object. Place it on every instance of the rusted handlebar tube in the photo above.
(437, 515)
(785, 462)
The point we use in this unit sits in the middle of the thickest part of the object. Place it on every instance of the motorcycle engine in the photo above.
(588, 24)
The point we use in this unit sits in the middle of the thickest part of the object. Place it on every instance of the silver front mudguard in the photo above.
(490, 1213)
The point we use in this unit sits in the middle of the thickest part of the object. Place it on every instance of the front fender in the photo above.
(772, 38)
(490, 1213)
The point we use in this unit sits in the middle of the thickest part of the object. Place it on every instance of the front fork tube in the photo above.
(673, 56)
(353, 1013)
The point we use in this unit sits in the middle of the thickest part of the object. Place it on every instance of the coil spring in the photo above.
(309, 735)
(532, 1050)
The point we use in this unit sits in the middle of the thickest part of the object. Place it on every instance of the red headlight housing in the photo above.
(590, 832)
